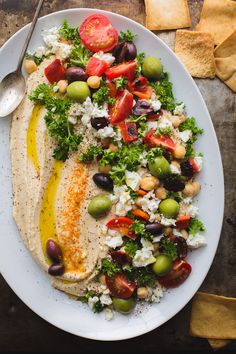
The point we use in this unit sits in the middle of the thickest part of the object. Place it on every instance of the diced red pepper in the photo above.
(96, 67)
(126, 69)
(55, 71)
(128, 131)
(194, 165)
(182, 222)
(153, 140)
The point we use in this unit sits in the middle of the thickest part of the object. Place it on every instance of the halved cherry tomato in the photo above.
(123, 225)
(128, 131)
(126, 69)
(122, 108)
(140, 214)
(182, 222)
(121, 257)
(96, 67)
(111, 88)
(139, 88)
(179, 273)
(154, 116)
(55, 71)
(153, 140)
(97, 33)
(120, 286)
(141, 192)
(140, 81)
(194, 165)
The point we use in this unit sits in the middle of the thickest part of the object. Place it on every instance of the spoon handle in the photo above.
(29, 35)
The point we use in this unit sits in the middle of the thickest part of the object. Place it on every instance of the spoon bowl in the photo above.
(12, 91)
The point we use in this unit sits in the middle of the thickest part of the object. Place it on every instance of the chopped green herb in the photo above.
(140, 230)
(176, 196)
(167, 131)
(127, 36)
(153, 153)
(190, 124)
(142, 129)
(138, 119)
(139, 59)
(167, 247)
(118, 174)
(41, 94)
(80, 55)
(68, 32)
(134, 195)
(131, 248)
(35, 58)
(190, 152)
(97, 306)
(144, 276)
(101, 96)
(92, 152)
(120, 82)
(163, 89)
(195, 225)
(109, 268)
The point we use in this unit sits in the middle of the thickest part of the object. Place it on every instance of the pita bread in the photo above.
(225, 61)
(195, 50)
(213, 317)
(218, 343)
(219, 18)
(167, 14)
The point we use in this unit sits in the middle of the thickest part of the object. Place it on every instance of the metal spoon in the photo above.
(13, 86)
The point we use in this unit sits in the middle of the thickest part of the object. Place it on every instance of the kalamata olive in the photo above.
(131, 51)
(53, 251)
(56, 269)
(182, 248)
(104, 181)
(99, 123)
(121, 257)
(117, 52)
(154, 228)
(74, 73)
(141, 107)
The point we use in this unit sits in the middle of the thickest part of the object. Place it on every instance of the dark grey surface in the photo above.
(20, 328)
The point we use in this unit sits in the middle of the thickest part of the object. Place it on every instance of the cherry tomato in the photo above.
(182, 222)
(120, 286)
(154, 116)
(55, 71)
(128, 131)
(140, 81)
(111, 88)
(140, 214)
(122, 108)
(121, 257)
(179, 273)
(126, 69)
(123, 225)
(140, 88)
(194, 165)
(145, 93)
(97, 33)
(96, 67)
(153, 140)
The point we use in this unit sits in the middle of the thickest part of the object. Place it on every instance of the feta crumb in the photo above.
(185, 135)
(72, 120)
(157, 238)
(155, 103)
(92, 301)
(196, 241)
(55, 88)
(152, 125)
(123, 200)
(104, 229)
(164, 123)
(179, 109)
(40, 51)
(167, 221)
(132, 180)
(150, 202)
(199, 162)
(147, 244)
(155, 295)
(175, 169)
(108, 314)
(51, 39)
(107, 132)
(187, 208)
(142, 159)
(107, 57)
(143, 257)
(177, 233)
(114, 242)
(105, 299)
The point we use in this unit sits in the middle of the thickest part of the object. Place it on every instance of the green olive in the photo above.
(159, 167)
(163, 265)
(123, 305)
(99, 206)
(169, 208)
(78, 91)
(152, 68)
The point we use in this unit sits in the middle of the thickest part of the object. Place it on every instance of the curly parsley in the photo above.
(163, 89)
(101, 96)
(109, 268)
(80, 55)
(195, 225)
(143, 276)
(92, 152)
(127, 36)
(120, 82)
(131, 248)
(139, 59)
(190, 124)
(168, 248)
(153, 153)
(68, 32)
(166, 132)
(140, 230)
(35, 58)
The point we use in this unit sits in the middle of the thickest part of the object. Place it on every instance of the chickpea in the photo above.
(102, 279)
(189, 190)
(184, 234)
(94, 82)
(149, 183)
(161, 193)
(179, 152)
(175, 121)
(167, 231)
(142, 293)
(176, 164)
(62, 86)
(196, 186)
(104, 169)
(30, 66)
(113, 148)
(182, 118)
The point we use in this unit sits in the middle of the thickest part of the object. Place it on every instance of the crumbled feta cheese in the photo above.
(142, 159)
(104, 229)
(179, 109)
(177, 233)
(150, 202)
(114, 241)
(152, 125)
(40, 51)
(143, 257)
(155, 103)
(155, 295)
(147, 244)
(192, 210)
(107, 132)
(105, 299)
(107, 57)
(187, 208)
(132, 179)
(72, 120)
(185, 135)
(51, 39)
(164, 123)
(123, 200)
(55, 88)
(92, 301)
(199, 162)
(167, 221)
(196, 241)
(157, 238)
(175, 169)
(108, 314)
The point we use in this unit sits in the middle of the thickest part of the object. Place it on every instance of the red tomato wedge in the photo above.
(194, 165)
(121, 257)
(179, 273)
(96, 67)
(123, 225)
(153, 140)
(128, 131)
(126, 69)
(122, 108)
(111, 88)
(97, 33)
(140, 214)
(182, 222)
(55, 71)
(120, 286)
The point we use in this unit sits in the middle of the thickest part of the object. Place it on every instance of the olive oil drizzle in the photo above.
(31, 138)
